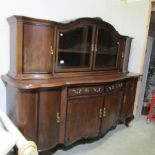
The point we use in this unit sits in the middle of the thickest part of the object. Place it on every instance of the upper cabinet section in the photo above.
(45, 49)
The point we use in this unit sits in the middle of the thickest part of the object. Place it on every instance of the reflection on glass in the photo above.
(74, 48)
(107, 48)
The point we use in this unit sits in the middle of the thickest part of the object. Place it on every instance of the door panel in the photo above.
(48, 125)
(129, 97)
(83, 118)
(111, 110)
(38, 41)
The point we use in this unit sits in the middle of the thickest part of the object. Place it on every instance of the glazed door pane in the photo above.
(83, 118)
(106, 49)
(74, 48)
(111, 110)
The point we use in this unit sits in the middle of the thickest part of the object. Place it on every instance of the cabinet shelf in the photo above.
(102, 53)
(73, 51)
(108, 51)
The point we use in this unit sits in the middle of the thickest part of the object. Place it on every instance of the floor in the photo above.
(138, 139)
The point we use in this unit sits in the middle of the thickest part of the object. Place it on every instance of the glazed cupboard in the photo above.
(68, 81)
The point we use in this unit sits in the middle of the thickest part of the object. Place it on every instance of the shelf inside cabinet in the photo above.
(72, 51)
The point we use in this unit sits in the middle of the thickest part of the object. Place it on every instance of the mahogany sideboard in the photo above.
(68, 81)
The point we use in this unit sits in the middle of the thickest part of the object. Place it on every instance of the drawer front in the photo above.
(114, 86)
(79, 91)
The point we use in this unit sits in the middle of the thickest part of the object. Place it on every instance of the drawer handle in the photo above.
(97, 90)
(77, 91)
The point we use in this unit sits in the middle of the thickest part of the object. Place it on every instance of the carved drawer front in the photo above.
(114, 86)
(79, 91)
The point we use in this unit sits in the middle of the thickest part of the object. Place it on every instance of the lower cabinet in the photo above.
(83, 118)
(51, 116)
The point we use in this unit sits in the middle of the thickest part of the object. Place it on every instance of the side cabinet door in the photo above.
(38, 43)
(129, 97)
(111, 110)
(49, 108)
(83, 118)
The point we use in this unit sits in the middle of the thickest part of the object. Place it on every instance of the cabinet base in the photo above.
(84, 141)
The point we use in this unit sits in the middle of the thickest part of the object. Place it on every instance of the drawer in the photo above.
(91, 90)
(114, 86)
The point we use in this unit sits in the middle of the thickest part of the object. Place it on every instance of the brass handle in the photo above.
(95, 47)
(100, 113)
(92, 47)
(122, 55)
(124, 99)
(58, 117)
(51, 50)
(104, 112)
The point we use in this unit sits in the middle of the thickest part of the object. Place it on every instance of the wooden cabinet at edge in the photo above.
(54, 98)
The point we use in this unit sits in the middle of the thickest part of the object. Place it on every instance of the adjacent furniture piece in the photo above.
(68, 81)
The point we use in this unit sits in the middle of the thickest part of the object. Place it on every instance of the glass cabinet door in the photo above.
(74, 48)
(106, 50)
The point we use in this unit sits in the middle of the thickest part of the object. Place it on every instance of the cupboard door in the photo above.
(106, 49)
(129, 97)
(111, 110)
(83, 118)
(22, 109)
(38, 43)
(49, 109)
(74, 48)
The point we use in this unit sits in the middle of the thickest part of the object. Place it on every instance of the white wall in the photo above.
(129, 19)
(135, 25)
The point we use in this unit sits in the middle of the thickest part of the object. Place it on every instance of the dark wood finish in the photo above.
(22, 109)
(83, 118)
(49, 109)
(128, 102)
(53, 103)
(38, 43)
(111, 110)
